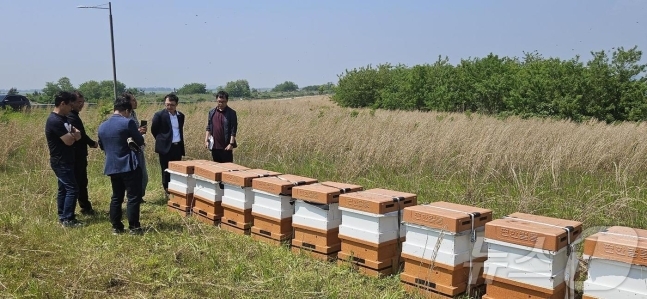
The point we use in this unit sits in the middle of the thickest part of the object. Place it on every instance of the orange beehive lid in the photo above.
(213, 171)
(186, 167)
(377, 201)
(282, 184)
(244, 178)
(324, 193)
(534, 231)
(447, 216)
(619, 243)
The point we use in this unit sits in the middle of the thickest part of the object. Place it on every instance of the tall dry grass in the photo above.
(445, 143)
(552, 167)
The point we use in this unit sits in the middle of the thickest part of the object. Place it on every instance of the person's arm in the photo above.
(74, 121)
(87, 140)
(155, 124)
(70, 137)
(134, 133)
(208, 130)
(234, 128)
(206, 139)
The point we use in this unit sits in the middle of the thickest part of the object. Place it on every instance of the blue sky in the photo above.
(170, 43)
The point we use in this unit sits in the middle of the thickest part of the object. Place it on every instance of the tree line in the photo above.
(95, 91)
(609, 87)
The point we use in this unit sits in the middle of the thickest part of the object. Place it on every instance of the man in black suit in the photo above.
(168, 130)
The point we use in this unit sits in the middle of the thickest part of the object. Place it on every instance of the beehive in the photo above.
(273, 206)
(444, 249)
(617, 260)
(529, 254)
(317, 217)
(370, 230)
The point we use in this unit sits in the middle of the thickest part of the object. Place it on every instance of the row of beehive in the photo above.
(445, 248)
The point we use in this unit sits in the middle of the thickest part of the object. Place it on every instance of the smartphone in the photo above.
(143, 123)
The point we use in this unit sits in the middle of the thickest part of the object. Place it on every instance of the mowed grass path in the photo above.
(589, 172)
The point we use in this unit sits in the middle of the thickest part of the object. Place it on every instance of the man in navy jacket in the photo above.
(168, 130)
(122, 166)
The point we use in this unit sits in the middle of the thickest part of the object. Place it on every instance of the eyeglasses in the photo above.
(170, 104)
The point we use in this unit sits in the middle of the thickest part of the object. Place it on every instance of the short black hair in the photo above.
(122, 104)
(222, 94)
(64, 97)
(172, 97)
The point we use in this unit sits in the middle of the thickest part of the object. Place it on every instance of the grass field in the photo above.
(591, 172)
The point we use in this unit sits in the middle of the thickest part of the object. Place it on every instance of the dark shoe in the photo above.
(90, 212)
(71, 223)
(118, 231)
(136, 231)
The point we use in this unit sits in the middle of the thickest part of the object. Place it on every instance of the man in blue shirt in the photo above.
(61, 135)
(122, 166)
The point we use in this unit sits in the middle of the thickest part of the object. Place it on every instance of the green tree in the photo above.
(12, 91)
(238, 88)
(286, 86)
(65, 84)
(95, 91)
(51, 88)
(91, 90)
(193, 88)
(611, 86)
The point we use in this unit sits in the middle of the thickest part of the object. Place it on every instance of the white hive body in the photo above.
(524, 264)
(180, 182)
(370, 227)
(317, 216)
(238, 197)
(272, 205)
(613, 279)
(454, 248)
(207, 189)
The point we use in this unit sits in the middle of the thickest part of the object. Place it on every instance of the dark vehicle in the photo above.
(15, 101)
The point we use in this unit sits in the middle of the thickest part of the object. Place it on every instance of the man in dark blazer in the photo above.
(167, 128)
(122, 166)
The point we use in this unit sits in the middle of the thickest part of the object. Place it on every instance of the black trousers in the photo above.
(81, 175)
(130, 184)
(174, 154)
(222, 156)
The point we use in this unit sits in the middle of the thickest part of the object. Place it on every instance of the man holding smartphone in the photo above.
(143, 129)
